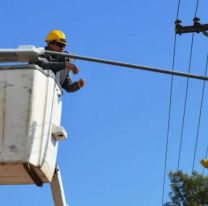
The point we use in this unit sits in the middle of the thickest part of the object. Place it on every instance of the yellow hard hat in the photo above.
(56, 35)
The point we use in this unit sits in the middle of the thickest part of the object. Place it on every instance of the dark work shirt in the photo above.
(58, 64)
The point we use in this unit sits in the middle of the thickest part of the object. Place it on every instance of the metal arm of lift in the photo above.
(31, 54)
(132, 66)
(58, 189)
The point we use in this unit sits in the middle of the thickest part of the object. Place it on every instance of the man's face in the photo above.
(57, 46)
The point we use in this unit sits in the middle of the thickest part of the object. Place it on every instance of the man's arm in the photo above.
(71, 86)
(56, 66)
(48, 65)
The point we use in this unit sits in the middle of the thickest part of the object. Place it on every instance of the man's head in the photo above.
(56, 40)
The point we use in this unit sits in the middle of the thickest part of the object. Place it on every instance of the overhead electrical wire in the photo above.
(185, 103)
(197, 6)
(206, 154)
(178, 9)
(199, 120)
(186, 94)
(169, 110)
(170, 104)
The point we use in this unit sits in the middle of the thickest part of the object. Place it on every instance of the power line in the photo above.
(170, 104)
(168, 125)
(185, 103)
(199, 121)
(169, 111)
(207, 145)
(186, 95)
(197, 6)
(178, 9)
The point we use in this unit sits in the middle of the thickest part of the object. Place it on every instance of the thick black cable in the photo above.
(199, 121)
(169, 110)
(128, 65)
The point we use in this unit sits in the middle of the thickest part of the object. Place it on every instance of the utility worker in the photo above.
(61, 66)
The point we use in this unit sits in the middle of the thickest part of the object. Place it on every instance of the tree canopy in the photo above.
(188, 190)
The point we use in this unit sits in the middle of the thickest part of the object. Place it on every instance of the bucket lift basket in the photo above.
(30, 114)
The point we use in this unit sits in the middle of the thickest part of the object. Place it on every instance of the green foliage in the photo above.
(188, 190)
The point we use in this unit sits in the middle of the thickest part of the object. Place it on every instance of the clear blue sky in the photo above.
(117, 124)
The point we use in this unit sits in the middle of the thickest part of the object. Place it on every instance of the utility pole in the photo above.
(196, 27)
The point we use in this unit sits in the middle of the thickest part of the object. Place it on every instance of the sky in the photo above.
(117, 124)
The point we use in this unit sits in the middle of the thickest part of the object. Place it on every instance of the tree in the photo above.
(188, 190)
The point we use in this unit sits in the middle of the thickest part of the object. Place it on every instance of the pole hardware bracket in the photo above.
(196, 27)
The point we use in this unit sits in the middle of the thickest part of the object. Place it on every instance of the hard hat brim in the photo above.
(62, 42)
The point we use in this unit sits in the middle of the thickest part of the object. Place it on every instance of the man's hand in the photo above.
(72, 67)
(81, 83)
